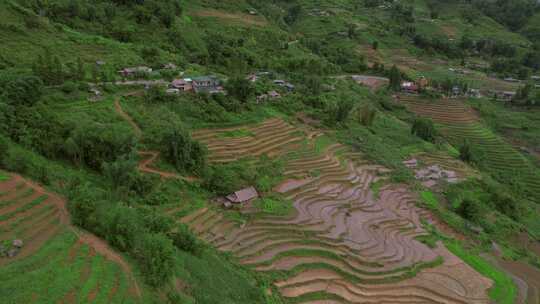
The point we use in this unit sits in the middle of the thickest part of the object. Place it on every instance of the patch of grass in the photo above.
(429, 199)
(376, 187)
(504, 290)
(323, 142)
(4, 176)
(274, 204)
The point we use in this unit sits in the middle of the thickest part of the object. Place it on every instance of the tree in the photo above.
(80, 69)
(240, 88)
(465, 152)
(375, 44)
(122, 226)
(3, 149)
(424, 128)
(351, 31)
(293, 13)
(156, 254)
(24, 91)
(470, 209)
(366, 115)
(182, 151)
(185, 240)
(395, 79)
(119, 171)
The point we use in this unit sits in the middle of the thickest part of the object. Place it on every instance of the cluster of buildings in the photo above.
(202, 84)
(414, 87)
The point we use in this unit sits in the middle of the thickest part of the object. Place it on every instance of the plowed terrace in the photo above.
(343, 243)
(62, 263)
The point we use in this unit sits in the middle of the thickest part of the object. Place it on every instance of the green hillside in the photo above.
(137, 175)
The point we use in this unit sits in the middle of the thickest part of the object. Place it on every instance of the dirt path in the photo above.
(146, 165)
(128, 118)
(99, 245)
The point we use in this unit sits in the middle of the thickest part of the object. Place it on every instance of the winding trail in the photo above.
(149, 157)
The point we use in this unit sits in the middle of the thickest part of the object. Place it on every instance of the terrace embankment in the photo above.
(343, 243)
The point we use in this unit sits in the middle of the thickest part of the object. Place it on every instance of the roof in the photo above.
(179, 82)
(137, 69)
(205, 78)
(274, 94)
(243, 195)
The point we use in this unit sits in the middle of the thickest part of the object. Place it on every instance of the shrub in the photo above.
(367, 115)
(465, 152)
(156, 254)
(3, 150)
(470, 209)
(185, 240)
(424, 128)
(24, 91)
(182, 151)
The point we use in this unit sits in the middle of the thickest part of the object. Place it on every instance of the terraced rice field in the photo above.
(341, 244)
(271, 137)
(57, 264)
(459, 123)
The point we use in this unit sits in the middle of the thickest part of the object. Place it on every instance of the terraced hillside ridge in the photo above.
(271, 137)
(342, 244)
(71, 265)
(459, 123)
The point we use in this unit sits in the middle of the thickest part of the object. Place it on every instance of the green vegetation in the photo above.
(60, 271)
(504, 290)
(56, 130)
(274, 205)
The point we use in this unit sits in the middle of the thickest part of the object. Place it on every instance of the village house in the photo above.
(95, 94)
(170, 66)
(252, 77)
(422, 82)
(510, 79)
(287, 85)
(207, 84)
(535, 78)
(503, 95)
(240, 197)
(172, 91)
(409, 87)
(474, 93)
(130, 72)
(274, 95)
(456, 91)
(183, 85)
(269, 95)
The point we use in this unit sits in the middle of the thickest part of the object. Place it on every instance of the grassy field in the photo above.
(65, 270)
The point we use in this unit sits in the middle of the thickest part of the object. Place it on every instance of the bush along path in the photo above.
(47, 244)
(341, 243)
(148, 157)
